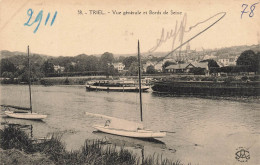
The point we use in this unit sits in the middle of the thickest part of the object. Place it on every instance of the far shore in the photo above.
(81, 80)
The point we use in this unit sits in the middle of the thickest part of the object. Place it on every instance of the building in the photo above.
(158, 66)
(178, 68)
(229, 61)
(119, 66)
(188, 67)
(59, 69)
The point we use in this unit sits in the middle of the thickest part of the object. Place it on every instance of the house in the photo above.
(177, 68)
(188, 67)
(229, 61)
(59, 69)
(148, 63)
(119, 66)
(158, 66)
(207, 57)
(202, 65)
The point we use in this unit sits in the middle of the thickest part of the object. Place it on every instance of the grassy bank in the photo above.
(22, 150)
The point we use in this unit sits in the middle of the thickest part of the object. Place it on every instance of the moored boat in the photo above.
(114, 85)
(139, 133)
(127, 128)
(26, 113)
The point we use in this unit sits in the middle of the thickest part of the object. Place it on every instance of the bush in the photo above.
(66, 82)
(54, 148)
(13, 137)
(255, 78)
(244, 78)
(229, 80)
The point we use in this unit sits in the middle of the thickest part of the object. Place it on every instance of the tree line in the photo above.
(16, 67)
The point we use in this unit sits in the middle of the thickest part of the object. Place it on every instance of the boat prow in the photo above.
(139, 133)
(25, 115)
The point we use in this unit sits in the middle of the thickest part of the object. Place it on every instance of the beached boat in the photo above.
(121, 127)
(127, 128)
(114, 85)
(23, 114)
(141, 133)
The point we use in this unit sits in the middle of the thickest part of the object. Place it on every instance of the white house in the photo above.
(119, 66)
(229, 61)
(58, 68)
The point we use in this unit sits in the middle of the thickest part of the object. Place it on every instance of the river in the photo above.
(204, 130)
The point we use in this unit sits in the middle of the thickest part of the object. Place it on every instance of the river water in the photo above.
(204, 130)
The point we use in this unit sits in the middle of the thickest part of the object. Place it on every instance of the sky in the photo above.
(72, 33)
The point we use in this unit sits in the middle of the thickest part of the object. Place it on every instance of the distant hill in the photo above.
(8, 54)
(234, 50)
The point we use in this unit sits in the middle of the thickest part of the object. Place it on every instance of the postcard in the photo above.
(130, 82)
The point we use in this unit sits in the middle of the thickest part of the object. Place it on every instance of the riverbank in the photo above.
(81, 80)
(15, 156)
(18, 148)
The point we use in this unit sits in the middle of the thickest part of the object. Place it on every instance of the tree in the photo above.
(106, 61)
(150, 69)
(111, 70)
(133, 69)
(47, 67)
(121, 58)
(7, 66)
(8, 75)
(107, 58)
(211, 63)
(128, 61)
(250, 59)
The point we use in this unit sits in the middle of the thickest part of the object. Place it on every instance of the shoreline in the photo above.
(81, 80)
(16, 147)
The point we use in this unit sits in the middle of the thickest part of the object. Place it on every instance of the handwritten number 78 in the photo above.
(38, 19)
(252, 8)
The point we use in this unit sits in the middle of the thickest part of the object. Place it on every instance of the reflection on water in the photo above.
(204, 130)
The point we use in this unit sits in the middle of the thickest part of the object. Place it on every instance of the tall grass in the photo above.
(92, 152)
(14, 137)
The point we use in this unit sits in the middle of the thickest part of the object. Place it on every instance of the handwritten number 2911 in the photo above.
(252, 8)
(38, 19)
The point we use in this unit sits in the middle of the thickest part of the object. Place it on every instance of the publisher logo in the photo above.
(242, 155)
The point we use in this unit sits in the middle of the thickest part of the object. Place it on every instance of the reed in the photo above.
(14, 137)
(92, 152)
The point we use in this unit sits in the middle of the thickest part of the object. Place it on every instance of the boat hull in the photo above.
(145, 134)
(208, 88)
(25, 115)
(116, 89)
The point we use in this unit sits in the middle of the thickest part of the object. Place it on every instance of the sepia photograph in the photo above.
(130, 82)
